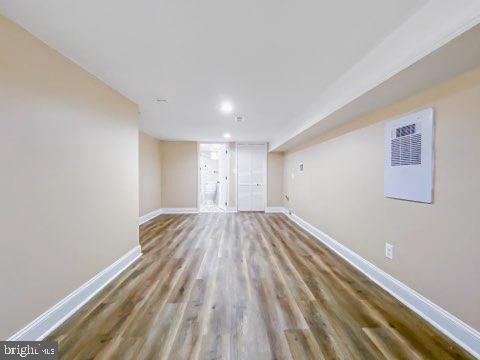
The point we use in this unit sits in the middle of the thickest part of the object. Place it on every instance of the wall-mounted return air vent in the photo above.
(406, 146)
(408, 172)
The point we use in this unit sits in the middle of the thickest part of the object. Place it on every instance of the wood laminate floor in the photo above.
(244, 286)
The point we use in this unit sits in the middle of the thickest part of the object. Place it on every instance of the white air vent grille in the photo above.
(408, 172)
(406, 146)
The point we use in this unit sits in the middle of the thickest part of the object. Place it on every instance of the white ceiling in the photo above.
(440, 65)
(271, 58)
(211, 147)
(431, 28)
(286, 65)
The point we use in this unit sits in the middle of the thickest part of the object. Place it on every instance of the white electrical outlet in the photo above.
(389, 250)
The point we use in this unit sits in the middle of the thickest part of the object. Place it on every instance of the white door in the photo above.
(223, 178)
(251, 177)
(244, 178)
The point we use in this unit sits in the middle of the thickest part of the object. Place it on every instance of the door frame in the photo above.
(227, 147)
(265, 169)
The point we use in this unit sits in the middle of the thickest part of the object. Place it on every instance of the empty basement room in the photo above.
(240, 179)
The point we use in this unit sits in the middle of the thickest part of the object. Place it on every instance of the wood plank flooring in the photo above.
(244, 286)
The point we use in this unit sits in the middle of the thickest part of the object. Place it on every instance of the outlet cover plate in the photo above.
(389, 250)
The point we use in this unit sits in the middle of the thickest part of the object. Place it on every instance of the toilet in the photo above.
(210, 192)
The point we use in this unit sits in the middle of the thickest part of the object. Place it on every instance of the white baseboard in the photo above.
(231, 209)
(56, 315)
(276, 209)
(454, 328)
(155, 213)
(180, 211)
(149, 216)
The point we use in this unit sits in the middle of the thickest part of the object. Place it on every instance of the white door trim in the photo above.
(265, 169)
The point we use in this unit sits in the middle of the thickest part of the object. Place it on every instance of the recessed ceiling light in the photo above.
(239, 118)
(227, 136)
(160, 100)
(226, 107)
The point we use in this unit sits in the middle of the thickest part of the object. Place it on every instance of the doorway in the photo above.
(213, 177)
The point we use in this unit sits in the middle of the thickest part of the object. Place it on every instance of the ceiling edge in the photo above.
(438, 22)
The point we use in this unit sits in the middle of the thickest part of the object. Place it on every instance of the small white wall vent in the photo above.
(408, 171)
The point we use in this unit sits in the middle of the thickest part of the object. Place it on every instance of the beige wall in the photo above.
(150, 173)
(179, 174)
(156, 155)
(275, 179)
(69, 180)
(436, 246)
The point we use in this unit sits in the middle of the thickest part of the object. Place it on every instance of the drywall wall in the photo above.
(69, 183)
(179, 174)
(275, 179)
(150, 173)
(436, 246)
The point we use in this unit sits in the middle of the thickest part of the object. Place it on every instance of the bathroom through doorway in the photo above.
(213, 177)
